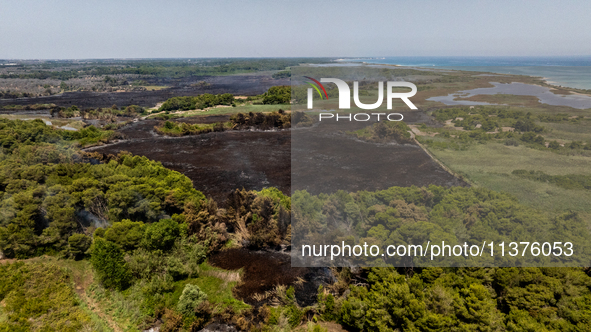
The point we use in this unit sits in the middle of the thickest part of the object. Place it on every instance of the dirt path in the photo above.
(416, 131)
(81, 284)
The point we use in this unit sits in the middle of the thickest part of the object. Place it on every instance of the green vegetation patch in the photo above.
(411, 215)
(569, 181)
(18, 133)
(98, 113)
(470, 299)
(64, 194)
(198, 102)
(39, 297)
(218, 284)
(557, 132)
(238, 121)
(277, 95)
(182, 129)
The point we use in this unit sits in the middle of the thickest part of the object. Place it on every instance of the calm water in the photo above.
(520, 89)
(572, 72)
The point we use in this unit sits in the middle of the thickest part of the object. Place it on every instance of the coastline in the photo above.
(549, 81)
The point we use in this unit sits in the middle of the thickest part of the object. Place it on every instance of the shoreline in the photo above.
(547, 80)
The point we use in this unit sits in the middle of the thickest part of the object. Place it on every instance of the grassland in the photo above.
(43, 294)
(489, 160)
(47, 292)
(569, 131)
(246, 108)
(490, 165)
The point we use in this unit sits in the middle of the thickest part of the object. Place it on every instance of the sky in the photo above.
(73, 29)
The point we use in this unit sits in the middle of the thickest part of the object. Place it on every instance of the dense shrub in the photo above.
(511, 142)
(199, 102)
(109, 264)
(277, 95)
(126, 233)
(469, 299)
(415, 215)
(161, 235)
(79, 244)
(527, 125)
(16, 133)
(45, 204)
(530, 137)
(554, 145)
(264, 121)
(282, 74)
(191, 297)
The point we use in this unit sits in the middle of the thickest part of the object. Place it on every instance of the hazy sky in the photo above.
(281, 28)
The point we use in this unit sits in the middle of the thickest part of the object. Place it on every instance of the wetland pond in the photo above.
(544, 94)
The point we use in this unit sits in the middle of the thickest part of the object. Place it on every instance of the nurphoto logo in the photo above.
(345, 93)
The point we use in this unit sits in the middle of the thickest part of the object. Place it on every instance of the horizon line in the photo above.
(298, 57)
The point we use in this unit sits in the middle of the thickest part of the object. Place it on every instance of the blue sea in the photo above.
(570, 71)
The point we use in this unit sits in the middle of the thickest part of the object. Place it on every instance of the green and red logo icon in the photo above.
(316, 87)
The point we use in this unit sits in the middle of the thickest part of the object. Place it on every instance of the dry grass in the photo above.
(275, 297)
(299, 281)
(259, 297)
(226, 276)
(242, 234)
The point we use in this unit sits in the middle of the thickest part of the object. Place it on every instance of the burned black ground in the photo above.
(218, 163)
(249, 85)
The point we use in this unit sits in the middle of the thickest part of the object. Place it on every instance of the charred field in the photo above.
(263, 270)
(189, 86)
(326, 158)
(220, 162)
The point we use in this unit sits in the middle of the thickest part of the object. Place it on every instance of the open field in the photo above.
(490, 165)
(569, 131)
